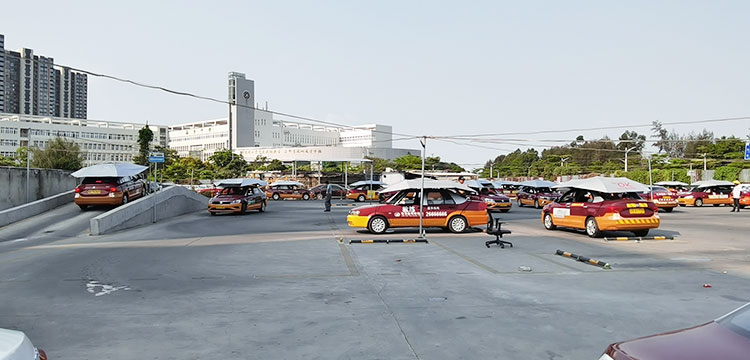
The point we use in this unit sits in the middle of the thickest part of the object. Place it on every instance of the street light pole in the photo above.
(626, 157)
(28, 170)
(423, 141)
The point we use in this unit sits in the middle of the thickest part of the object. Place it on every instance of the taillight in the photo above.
(42, 354)
(78, 189)
(113, 189)
(612, 209)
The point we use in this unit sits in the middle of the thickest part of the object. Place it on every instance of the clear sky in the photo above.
(424, 67)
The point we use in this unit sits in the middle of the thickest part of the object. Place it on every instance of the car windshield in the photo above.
(543, 190)
(738, 321)
(233, 191)
(100, 180)
(658, 189)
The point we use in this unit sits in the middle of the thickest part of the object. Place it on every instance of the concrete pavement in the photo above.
(280, 285)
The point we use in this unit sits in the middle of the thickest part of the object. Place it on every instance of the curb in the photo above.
(638, 238)
(584, 259)
(388, 241)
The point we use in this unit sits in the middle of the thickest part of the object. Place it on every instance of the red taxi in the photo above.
(745, 196)
(486, 192)
(675, 187)
(602, 204)
(238, 196)
(726, 338)
(662, 197)
(364, 190)
(445, 207)
(537, 193)
(507, 188)
(712, 192)
(288, 190)
(319, 192)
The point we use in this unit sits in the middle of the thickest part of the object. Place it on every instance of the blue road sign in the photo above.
(747, 151)
(156, 157)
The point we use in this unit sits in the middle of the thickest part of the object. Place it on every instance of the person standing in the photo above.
(736, 193)
(329, 194)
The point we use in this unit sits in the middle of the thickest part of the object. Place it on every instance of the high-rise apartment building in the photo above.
(32, 85)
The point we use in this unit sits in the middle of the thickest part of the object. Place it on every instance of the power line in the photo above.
(207, 98)
(600, 128)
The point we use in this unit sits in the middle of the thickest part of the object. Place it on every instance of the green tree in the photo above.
(7, 161)
(225, 165)
(408, 162)
(728, 173)
(145, 136)
(59, 154)
(276, 165)
(631, 139)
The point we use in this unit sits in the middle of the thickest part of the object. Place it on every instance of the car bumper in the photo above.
(543, 202)
(499, 206)
(357, 221)
(99, 200)
(613, 223)
(745, 201)
(227, 208)
(665, 204)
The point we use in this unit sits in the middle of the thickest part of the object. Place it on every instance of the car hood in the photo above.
(550, 195)
(707, 341)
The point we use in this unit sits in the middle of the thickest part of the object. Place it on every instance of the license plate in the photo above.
(220, 208)
(637, 211)
(94, 192)
(668, 197)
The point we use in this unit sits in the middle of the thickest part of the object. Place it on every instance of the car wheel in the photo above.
(305, 196)
(548, 224)
(262, 206)
(457, 224)
(669, 209)
(124, 198)
(699, 202)
(276, 196)
(212, 213)
(592, 228)
(243, 208)
(83, 207)
(361, 198)
(377, 225)
(536, 204)
(320, 196)
(640, 233)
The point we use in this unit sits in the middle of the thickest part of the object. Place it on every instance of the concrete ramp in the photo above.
(34, 208)
(170, 202)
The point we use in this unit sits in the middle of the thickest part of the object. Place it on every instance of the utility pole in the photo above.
(490, 169)
(704, 164)
(230, 130)
(563, 160)
(423, 141)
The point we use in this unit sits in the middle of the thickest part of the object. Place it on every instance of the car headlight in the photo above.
(236, 201)
(605, 357)
(353, 212)
(489, 201)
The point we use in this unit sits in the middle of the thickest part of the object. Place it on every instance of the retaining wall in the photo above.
(43, 183)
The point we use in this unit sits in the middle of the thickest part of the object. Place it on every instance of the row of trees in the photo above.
(59, 154)
(676, 154)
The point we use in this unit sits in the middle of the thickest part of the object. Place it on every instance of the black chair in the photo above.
(494, 227)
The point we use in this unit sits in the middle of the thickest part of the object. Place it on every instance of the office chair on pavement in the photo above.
(494, 227)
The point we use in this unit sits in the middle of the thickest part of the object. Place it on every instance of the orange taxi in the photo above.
(711, 192)
(662, 197)
(238, 196)
(507, 188)
(602, 204)
(364, 190)
(745, 196)
(288, 190)
(445, 207)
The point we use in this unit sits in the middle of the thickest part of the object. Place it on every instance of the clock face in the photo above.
(246, 95)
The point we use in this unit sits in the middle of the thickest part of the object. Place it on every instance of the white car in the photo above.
(14, 345)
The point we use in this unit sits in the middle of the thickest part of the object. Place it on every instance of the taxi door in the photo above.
(718, 195)
(438, 205)
(405, 212)
(560, 210)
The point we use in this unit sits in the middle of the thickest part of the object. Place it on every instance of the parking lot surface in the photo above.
(287, 284)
